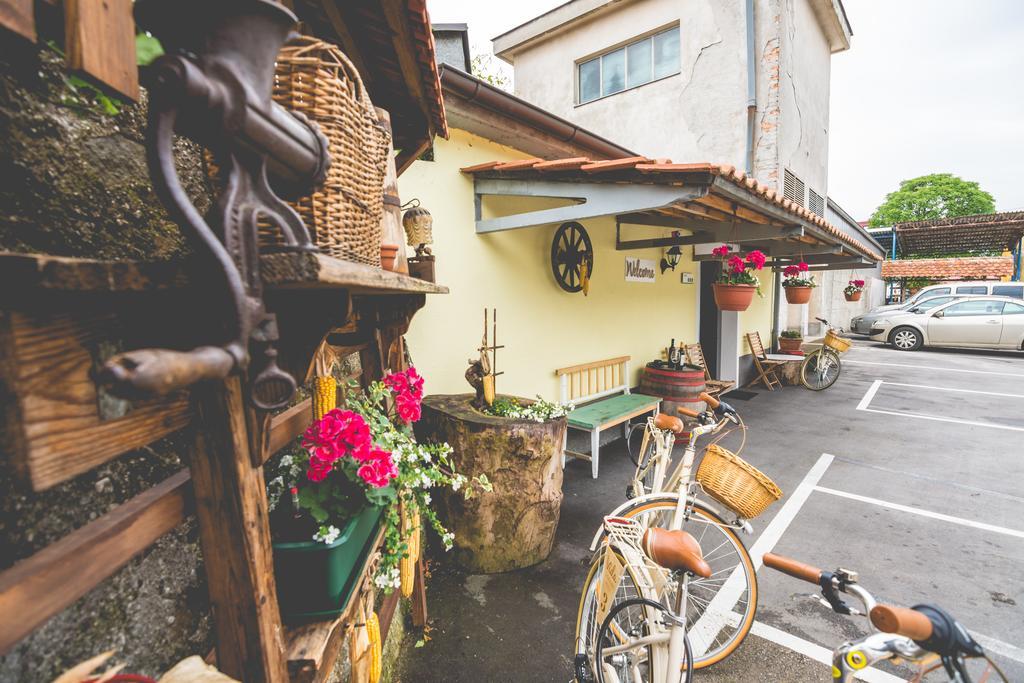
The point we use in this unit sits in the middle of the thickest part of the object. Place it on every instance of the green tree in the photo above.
(485, 67)
(939, 195)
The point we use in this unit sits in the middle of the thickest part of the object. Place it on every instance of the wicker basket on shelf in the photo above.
(316, 79)
(836, 343)
(734, 482)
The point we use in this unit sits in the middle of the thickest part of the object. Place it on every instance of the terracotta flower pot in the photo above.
(853, 297)
(388, 256)
(790, 345)
(733, 297)
(798, 295)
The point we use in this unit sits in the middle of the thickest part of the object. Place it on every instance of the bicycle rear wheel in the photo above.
(820, 370)
(714, 635)
(631, 619)
(587, 624)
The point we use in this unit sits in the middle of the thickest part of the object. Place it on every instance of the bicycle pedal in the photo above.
(629, 493)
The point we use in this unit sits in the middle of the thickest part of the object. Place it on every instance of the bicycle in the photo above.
(670, 502)
(821, 368)
(925, 635)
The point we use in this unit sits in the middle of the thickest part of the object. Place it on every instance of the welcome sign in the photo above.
(639, 270)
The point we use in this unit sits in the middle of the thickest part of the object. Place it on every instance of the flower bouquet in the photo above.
(354, 468)
(853, 290)
(734, 289)
(798, 288)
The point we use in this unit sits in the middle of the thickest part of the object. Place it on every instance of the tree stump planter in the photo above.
(514, 525)
(798, 295)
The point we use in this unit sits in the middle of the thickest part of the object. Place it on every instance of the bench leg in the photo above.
(565, 444)
(595, 445)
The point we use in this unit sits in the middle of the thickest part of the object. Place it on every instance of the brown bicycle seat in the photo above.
(676, 550)
(670, 422)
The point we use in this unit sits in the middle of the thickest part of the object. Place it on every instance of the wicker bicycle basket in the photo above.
(836, 343)
(316, 79)
(733, 481)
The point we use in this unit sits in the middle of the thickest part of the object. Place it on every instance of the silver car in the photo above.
(994, 322)
(862, 323)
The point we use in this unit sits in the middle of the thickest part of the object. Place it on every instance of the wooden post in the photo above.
(231, 504)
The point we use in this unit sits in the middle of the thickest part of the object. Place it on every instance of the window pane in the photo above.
(972, 290)
(590, 80)
(638, 63)
(935, 292)
(666, 53)
(1009, 290)
(613, 72)
(1012, 309)
(932, 303)
(974, 308)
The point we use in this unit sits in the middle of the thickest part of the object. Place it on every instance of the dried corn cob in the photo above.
(325, 396)
(376, 663)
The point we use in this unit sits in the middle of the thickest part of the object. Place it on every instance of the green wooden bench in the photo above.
(603, 389)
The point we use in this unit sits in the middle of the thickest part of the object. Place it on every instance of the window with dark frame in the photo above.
(634, 64)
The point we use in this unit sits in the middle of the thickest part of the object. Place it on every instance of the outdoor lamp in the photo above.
(418, 224)
(672, 256)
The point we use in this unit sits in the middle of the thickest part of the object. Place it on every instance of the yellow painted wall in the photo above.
(541, 326)
(758, 318)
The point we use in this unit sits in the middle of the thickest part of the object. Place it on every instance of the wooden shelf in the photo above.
(40, 273)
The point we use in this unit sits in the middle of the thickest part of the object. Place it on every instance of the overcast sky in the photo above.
(927, 86)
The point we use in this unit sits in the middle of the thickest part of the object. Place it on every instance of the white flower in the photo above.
(327, 534)
(426, 499)
(457, 481)
(447, 538)
(392, 578)
(286, 461)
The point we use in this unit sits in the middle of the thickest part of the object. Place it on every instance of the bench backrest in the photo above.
(756, 347)
(589, 381)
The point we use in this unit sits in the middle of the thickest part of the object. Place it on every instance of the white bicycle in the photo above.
(717, 609)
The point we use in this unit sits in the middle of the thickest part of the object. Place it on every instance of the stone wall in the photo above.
(73, 181)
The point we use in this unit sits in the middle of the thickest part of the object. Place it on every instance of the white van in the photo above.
(976, 287)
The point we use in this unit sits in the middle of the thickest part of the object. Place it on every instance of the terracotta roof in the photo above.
(1008, 217)
(646, 170)
(424, 41)
(967, 268)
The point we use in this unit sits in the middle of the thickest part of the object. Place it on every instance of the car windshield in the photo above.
(929, 303)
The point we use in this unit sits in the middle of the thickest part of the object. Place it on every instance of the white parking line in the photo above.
(924, 513)
(965, 391)
(934, 368)
(999, 647)
(873, 389)
(815, 651)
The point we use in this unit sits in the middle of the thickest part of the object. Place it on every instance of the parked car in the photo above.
(994, 322)
(975, 287)
(861, 324)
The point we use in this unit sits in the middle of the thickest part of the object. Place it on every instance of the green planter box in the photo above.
(314, 580)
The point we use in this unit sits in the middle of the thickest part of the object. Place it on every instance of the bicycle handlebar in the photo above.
(902, 621)
(795, 568)
(688, 412)
(710, 400)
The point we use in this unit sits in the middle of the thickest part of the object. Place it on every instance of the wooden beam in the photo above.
(286, 426)
(100, 41)
(396, 15)
(231, 504)
(44, 584)
(18, 16)
(405, 158)
(733, 208)
(347, 42)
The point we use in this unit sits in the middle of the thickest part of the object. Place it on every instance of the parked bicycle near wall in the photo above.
(821, 368)
(925, 636)
(718, 609)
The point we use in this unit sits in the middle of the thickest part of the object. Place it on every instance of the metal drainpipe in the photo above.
(776, 300)
(751, 87)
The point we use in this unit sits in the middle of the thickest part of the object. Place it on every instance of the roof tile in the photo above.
(966, 268)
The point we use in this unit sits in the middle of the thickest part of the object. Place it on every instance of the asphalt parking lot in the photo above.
(908, 470)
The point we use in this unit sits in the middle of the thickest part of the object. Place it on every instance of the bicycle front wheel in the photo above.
(634, 662)
(820, 370)
(720, 609)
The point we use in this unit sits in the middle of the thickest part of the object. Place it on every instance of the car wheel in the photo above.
(906, 339)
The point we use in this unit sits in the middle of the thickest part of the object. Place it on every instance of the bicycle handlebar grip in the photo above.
(687, 412)
(902, 621)
(795, 568)
(710, 400)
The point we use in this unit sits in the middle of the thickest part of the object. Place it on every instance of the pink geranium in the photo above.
(408, 407)
(736, 264)
(756, 258)
(721, 251)
(803, 267)
(337, 434)
(791, 271)
(379, 469)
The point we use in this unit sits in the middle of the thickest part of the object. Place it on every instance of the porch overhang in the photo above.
(713, 204)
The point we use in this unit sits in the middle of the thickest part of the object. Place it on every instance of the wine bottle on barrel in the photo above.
(673, 355)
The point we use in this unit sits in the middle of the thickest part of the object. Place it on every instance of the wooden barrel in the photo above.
(676, 388)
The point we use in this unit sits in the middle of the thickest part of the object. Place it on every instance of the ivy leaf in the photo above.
(147, 48)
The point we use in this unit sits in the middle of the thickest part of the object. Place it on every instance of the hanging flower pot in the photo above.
(798, 295)
(798, 287)
(734, 297)
(855, 296)
(735, 287)
(853, 290)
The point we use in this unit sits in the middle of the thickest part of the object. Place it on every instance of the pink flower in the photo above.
(803, 267)
(318, 470)
(379, 469)
(756, 258)
(721, 251)
(859, 283)
(408, 407)
(415, 382)
(397, 382)
(336, 434)
(791, 271)
(736, 264)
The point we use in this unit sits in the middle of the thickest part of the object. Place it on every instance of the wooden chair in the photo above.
(603, 386)
(766, 368)
(695, 356)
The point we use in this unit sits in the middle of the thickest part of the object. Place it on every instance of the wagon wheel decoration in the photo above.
(572, 257)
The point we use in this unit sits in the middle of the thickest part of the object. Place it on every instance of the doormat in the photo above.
(741, 395)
